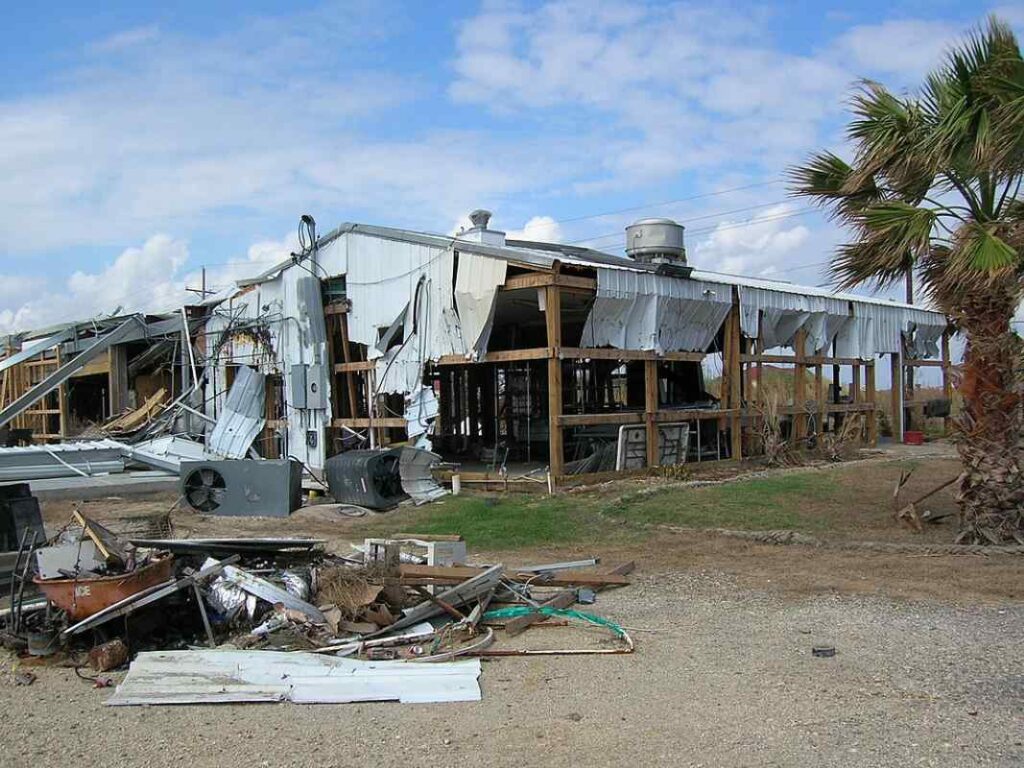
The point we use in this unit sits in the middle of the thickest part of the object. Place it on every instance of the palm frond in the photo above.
(869, 261)
(982, 250)
(826, 180)
(907, 227)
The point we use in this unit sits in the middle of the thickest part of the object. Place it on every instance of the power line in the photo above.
(694, 218)
(671, 202)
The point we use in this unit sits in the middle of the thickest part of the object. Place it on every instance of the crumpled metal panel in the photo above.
(36, 462)
(243, 416)
(311, 313)
(421, 408)
(476, 286)
(414, 467)
(31, 350)
(639, 310)
(218, 676)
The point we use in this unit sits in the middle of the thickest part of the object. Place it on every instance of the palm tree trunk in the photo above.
(990, 435)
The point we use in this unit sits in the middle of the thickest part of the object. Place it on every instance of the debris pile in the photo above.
(405, 618)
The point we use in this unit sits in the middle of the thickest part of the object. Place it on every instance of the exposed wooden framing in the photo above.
(800, 384)
(638, 417)
(819, 396)
(117, 366)
(947, 381)
(355, 367)
(924, 363)
(553, 321)
(63, 407)
(350, 381)
(808, 360)
(897, 396)
(796, 410)
(595, 353)
(501, 356)
(391, 422)
(650, 411)
(735, 365)
(546, 279)
(337, 307)
(871, 398)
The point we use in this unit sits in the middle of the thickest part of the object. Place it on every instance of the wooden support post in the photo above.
(350, 378)
(732, 376)
(897, 396)
(819, 397)
(947, 382)
(62, 402)
(650, 411)
(800, 385)
(870, 397)
(117, 376)
(553, 319)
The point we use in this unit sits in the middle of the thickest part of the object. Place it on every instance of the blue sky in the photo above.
(139, 143)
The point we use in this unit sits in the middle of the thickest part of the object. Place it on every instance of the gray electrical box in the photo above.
(315, 387)
(308, 387)
(298, 387)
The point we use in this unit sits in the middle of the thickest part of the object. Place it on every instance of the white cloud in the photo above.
(539, 228)
(763, 246)
(126, 39)
(151, 278)
(908, 49)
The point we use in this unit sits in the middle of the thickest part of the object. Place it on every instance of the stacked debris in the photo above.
(285, 620)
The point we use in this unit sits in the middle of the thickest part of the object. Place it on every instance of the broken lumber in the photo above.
(412, 574)
(520, 624)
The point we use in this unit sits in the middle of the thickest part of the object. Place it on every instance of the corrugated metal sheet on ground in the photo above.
(243, 416)
(218, 676)
(36, 462)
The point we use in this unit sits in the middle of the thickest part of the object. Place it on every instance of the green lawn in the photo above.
(790, 502)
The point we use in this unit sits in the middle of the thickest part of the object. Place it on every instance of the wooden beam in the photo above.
(394, 422)
(338, 307)
(355, 367)
(870, 397)
(501, 356)
(947, 381)
(553, 321)
(808, 360)
(651, 411)
(638, 417)
(546, 279)
(800, 385)
(350, 381)
(732, 375)
(596, 353)
(897, 396)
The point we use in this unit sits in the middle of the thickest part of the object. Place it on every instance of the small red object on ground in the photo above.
(912, 437)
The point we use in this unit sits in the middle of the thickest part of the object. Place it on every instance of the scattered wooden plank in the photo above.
(520, 624)
(412, 573)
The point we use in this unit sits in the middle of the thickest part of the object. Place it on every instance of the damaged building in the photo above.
(510, 359)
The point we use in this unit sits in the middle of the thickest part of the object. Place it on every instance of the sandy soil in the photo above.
(723, 676)
(928, 672)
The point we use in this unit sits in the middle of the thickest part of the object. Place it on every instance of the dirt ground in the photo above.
(929, 670)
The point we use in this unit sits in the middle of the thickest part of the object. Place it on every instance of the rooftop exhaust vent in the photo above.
(656, 241)
(479, 233)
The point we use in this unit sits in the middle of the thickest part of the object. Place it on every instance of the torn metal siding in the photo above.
(218, 676)
(476, 287)
(635, 310)
(243, 416)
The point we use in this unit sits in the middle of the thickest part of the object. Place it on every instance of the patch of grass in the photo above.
(490, 523)
(786, 502)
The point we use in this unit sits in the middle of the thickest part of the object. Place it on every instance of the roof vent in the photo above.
(656, 241)
(480, 218)
(479, 233)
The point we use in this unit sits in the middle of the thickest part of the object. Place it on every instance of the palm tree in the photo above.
(933, 189)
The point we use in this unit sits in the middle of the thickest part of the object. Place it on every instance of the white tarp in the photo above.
(476, 285)
(640, 310)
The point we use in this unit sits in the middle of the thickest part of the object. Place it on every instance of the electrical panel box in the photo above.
(298, 375)
(308, 387)
(315, 387)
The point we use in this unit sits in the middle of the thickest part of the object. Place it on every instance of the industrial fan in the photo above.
(257, 487)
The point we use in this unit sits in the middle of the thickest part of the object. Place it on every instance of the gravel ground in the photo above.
(726, 679)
